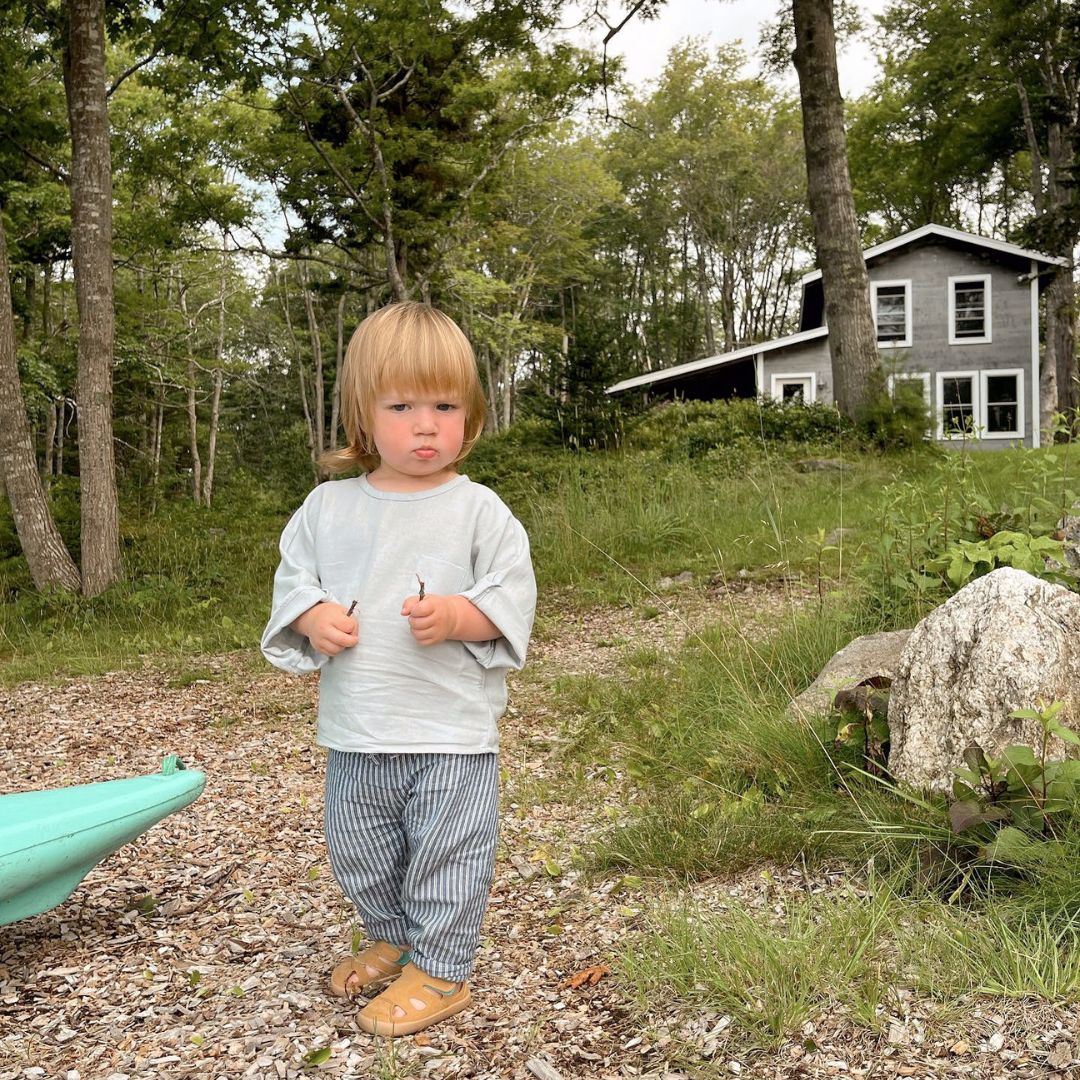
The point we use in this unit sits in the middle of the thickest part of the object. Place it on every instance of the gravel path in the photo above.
(202, 949)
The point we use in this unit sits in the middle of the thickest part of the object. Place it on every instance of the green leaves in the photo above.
(1022, 789)
(968, 559)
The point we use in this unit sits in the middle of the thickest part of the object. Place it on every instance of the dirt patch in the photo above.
(203, 948)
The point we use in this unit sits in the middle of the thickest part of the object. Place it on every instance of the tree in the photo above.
(852, 337)
(91, 243)
(984, 97)
(48, 559)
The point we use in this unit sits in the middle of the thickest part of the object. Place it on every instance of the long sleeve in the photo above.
(505, 591)
(296, 588)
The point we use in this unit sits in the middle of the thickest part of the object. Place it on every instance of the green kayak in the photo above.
(50, 840)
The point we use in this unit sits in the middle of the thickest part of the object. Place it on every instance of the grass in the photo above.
(711, 774)
(774, 967)
(769, 973)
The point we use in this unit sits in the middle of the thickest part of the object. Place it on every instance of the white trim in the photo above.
(777, 388)
(719, 360)
(906, 283)
(987, 336)
(1036, 403)
(759, 375)
(914, 376)
(910, 376)
(950, 234)
(939, 404)
(1016, 373)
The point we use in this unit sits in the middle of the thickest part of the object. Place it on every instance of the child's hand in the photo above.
(329, 628)
(431, 620)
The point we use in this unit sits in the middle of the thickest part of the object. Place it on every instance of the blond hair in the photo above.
(404, 348)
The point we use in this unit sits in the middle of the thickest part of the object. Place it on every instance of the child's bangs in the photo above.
(434, 363)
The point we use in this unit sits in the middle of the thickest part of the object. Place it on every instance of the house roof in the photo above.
(664, 374)
(956, 235)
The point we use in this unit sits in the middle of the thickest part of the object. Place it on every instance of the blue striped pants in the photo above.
(412, 843)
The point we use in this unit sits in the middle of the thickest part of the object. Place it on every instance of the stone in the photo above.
(1069, 533)
(1003, 642)
(679, 579)
(866, 657)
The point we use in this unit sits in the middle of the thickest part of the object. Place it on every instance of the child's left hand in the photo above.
(431, 620)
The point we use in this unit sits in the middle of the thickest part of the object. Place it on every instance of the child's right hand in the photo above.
(328, 627)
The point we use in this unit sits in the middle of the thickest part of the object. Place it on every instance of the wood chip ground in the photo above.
(203, 948)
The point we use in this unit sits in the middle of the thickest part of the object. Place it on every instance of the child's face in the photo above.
(418, 436)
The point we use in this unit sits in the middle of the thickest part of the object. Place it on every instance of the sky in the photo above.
(644, 45)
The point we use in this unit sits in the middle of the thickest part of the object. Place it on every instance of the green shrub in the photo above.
(693, 428)
(896, 421)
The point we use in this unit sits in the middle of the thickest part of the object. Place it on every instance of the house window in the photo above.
(958, 407)
(891, 303)
(800, 387)
(1003, 404)
(902, 383)
(969, 310)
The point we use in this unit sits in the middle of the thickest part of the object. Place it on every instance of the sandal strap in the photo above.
(384, 959)
(413, 983)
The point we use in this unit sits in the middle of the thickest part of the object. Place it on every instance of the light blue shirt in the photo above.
(351, 541)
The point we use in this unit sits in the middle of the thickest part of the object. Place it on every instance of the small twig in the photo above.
(421, 593)
(352, 608)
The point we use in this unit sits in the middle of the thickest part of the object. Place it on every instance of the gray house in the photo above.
(957, 318)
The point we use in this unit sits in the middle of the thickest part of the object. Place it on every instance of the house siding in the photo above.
(929, 268)
(810, 357)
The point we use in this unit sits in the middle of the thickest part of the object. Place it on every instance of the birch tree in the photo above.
(50, 564)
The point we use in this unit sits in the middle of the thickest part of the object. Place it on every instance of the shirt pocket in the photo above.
(440, 576)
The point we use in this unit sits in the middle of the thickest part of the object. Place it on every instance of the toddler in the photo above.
(411, 589)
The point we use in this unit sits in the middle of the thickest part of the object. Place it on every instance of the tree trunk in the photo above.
(335, 394)
(192, 410)
(300, 373)
(48, 559)
(61, 413)
(215, 400)
(50, 440)
(852, 337)
(1057, 305)
(91, 249)
(159, 423)
(318, 391)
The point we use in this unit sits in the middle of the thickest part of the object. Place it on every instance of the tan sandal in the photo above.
(420, 1001)
(376, 965)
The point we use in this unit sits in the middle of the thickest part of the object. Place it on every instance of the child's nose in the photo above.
(425, 420)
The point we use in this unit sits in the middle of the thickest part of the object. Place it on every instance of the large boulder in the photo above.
(1003, 642)
(872, 656)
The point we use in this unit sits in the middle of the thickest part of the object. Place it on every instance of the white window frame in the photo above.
(911, 376)
(988, 373)
(776, 385)
(914, 376)
(976, 411)
(988, 335)
(874, 286)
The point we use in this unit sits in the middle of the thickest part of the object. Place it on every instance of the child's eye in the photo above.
(399, 406)
(446, 406)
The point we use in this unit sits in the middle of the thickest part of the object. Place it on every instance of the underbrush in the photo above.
(195, 581)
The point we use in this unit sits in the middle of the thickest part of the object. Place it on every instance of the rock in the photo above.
(864, 658)
(1069, 533)
(680, 579)
(1003, 642)
(821, 465)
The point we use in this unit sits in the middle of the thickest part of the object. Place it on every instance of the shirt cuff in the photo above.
(283, 646)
